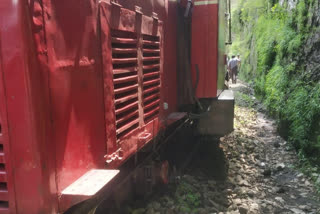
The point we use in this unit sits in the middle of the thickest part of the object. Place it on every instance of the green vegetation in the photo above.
(271, 38)
(187, 197)
(244, 100)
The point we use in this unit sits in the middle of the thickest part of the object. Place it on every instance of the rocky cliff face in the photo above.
(291, 4)
(312, 46)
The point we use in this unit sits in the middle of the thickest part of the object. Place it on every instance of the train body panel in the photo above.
(207, 51)
(85, 85)
(75, 85)
(204, 50)
(29, 163)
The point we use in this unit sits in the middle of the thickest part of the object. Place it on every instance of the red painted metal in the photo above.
(75, 83)
(221, 45)
(85, 84)
(24, 106)
(129, 31)
(7, 198)
(86, 186)
(204, 50)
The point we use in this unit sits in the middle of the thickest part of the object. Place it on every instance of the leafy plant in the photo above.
(270, 38)
(187, 197)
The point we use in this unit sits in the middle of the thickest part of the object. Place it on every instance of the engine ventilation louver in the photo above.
(151, 77)
(125, 80)
(4, 195)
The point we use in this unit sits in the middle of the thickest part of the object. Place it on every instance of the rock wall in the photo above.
(291, 4)
(311, 55)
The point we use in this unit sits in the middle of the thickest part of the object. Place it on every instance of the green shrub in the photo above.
(271, 41)
(302, 16)
(276, 83)
(289, 42)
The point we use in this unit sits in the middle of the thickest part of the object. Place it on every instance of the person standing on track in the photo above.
(233, 69)
(239, 62)
(227, 77)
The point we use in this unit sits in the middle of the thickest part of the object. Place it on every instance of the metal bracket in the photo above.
(115, 3)
(138, 10)
(87, 186)
(155, 16)
(117, 155)
(143, 138)
(188, 8)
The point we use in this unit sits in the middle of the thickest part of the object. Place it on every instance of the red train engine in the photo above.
(86, 84)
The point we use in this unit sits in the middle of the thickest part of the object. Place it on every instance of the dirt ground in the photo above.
(252, 170)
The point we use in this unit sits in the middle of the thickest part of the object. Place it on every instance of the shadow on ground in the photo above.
(201, 186)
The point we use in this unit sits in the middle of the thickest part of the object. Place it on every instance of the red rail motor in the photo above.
(85, 84)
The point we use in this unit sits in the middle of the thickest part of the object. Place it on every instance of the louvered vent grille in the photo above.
(4, 197)
(151, 77)
(125, 80)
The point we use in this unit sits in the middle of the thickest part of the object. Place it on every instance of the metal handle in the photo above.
(145, 137)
